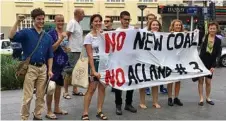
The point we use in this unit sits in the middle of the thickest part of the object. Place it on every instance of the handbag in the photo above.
(80, 72)
(22, 68)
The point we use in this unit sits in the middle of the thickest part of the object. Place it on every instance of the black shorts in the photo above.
(96, 64)
(209, 76)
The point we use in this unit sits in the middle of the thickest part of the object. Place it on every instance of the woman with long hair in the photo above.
(153, 26)
(210, 50)
(91, 43)
(175, 26)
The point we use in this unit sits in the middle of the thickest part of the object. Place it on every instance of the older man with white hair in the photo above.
(75, 37)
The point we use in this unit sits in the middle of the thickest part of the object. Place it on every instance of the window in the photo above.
(139, 18)
(49, 18)
(84, 1)
(116, 1)
(26, 23)
(147, 1)
(54, 0)
(115, 18)
(24, 0)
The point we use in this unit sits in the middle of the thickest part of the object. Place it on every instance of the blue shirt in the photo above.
(29, 39)
(60, 59)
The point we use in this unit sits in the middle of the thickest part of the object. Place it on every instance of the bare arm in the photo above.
(90, 56)
(69, 34)
(57, 43)
(13, 30)
(50, 64)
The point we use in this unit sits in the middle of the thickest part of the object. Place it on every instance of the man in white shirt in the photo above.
(125, 21)
(75, 37)
(149, 18)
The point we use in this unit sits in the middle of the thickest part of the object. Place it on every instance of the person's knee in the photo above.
(91, 90)
(208, 82)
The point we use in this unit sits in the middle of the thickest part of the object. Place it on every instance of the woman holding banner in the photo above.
(175, 26)
(153, 26)
(91, 43)
(210, 50)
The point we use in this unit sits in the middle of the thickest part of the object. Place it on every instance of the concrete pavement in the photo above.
(11, 104)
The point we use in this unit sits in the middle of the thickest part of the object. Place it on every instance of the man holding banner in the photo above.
(125, 20)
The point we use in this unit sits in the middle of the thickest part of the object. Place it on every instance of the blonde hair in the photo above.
(171, 28)
(149, 25)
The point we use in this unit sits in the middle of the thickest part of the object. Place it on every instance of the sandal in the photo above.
(142, 106)
(62, 112)
(66, 96)
(78, 93)
(157, 106)
(51, 116)
(101, 116)
(85, 118)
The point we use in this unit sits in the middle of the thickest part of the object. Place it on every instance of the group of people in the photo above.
(53, 60)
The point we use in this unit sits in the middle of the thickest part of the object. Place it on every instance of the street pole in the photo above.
(142, 21)
(205, 11)
(178, 11)
(142, 7)
(192, 17)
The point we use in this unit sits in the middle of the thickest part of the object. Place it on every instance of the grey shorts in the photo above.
(72, 59)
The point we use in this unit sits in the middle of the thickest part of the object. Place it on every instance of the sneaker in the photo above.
(130, 108)
(170, 101)
(118, 110)
(163, 90)
(178, 102)
(147, 91)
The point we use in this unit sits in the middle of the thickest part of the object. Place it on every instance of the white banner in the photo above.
(134, 59)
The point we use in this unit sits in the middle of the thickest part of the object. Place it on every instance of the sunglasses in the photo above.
(106, 21)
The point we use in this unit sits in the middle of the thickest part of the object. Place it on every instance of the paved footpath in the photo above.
(11, 104)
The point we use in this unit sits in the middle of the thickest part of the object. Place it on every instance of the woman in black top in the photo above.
(210, 50)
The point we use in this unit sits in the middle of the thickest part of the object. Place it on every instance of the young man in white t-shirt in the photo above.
(75, 37)
(125, 21)
(149, 18)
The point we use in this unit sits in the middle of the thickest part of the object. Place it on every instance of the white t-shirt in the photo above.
(130, 27)
(76, 38)
(145, 28)
(94, 41)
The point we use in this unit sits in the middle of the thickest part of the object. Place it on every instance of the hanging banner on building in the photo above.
(134, 59)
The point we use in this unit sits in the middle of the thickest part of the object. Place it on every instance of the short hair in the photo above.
(37, 12)
(58, 15)
(214, 23)
(151, 14)
(92, 19)
(171, 28)
(110, 18)
(124, 13)
(149, 25)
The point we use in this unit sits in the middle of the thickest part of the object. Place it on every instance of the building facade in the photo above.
(11, 8)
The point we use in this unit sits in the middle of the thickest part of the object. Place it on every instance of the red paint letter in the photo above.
(109, 43)
(119, 84)
(120, 40)
(109, 77)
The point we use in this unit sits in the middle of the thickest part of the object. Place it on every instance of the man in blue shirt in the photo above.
(40, 60)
